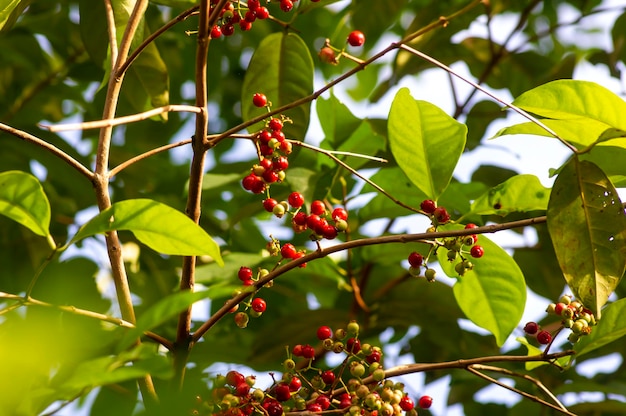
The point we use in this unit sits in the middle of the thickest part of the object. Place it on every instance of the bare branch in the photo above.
(123, 120)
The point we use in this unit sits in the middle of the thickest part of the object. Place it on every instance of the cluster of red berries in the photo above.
(574, 316)
(331, 55)
(254, 307)
(273, 149)
(416, 261)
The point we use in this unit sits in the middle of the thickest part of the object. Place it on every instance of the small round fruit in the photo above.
(328, 377)
(258, 305)
(339, 214)
(428, 206)
(244, 274)
(353, 345)
(353, 328)
(262, 13)
(324, 332)
(425, 402)
(430, 274)
(406, 403)
(415, 259)
(282, 393)
(235, 378)
(274, 409)
(286, 5)
(269, 204)
(295, 384)
(296, 200)
(356, 38)
(477, 251)
(328, 56)
(531, 328)
(275, 124)
(288, 251)
(318, 207)
(259, 100)
(544, 337)
(441, 215)
(216, 32)
(308, 351)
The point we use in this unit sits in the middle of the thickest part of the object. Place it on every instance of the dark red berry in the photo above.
(374, 357)
(544, 337)
(353, 345)
(258, 99)
(531, 328)
(294, 384)
(425, 402)
(275, 124)
(328, 377)
(314, 407)
(288, 251)
(318, 207)
(356, 38)
(299, 218)
(330, 232)
(274, 409)
(282, 393)
(235, 378)
(428, 206)
(286, 5)
(264, 136)
(245, 273)
(270, 176)
(253, 4)
(324, 332)
(269, 204)
(280, 163)
(250, 16)
(242, 389)
(296, 200)
(258, 305)
(441, 215)
(313, 221)
(477, 251)
(308, 351)
(323, 401)
(415, 259)
(406, 403)
(262, 13)
(228, 29)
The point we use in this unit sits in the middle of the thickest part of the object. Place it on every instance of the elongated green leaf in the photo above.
(10, 11)
(211, 273)
(425, 141)
(23, 200)
(571, 99)
(282, 69)
(534, 351)
(611, 327)
(157, 225)
(338, 122)
(493, 294)
(520, 193)
(160, 312)
(588, 228)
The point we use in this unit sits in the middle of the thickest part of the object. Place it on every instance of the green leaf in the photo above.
(23, 200)
(425, 141)
(338, 122)
(211, 273)
(571, 99)
(588, 228)
(611, 327)
(282, 69)
(160, 312)
(532, 351)
(10, 11)
(157, 225)
(493, 294)
(519, 193)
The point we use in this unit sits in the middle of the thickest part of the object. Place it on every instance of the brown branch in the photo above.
(122, 120)
(49, 147)
(473, 369)
(441, 22)
(388, 239)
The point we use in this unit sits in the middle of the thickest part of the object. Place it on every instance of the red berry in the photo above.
(280, 163)
(544, 337)
(318, 207)
(441, 215)
(228, 29)
(288, 251)
(275, 124)
(295, 384)
(374, 357)
(216, 32)
(269, 204)
(264, 136)
(328, 55)
(300, 254)
(274, 409)
(308, 351)
(314, 407)
(470, 226)
(323, 401)
(415, 259)
(324, 332)
(297, 350)
(299, 218)
(242, 389)
(235, 378)
(313, 221)
(286, 5)
(425, 402)
(477, 252)
(286, 147)
(258, 99)
(328, 377)
(531, 328)
(282, 393)
(339, 214)
(353, 345)
(406, 403)
(266, 163)
(258, 305)
(253, 4)
(245, 273)
(356, 38)
(296, 200)
(250, 17)
(279, 136)
(270, 176)
(245, 25)
(428, 206)
(262, 13)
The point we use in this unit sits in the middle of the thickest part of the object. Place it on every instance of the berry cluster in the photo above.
(459, 247)
(331, 55)
(574, 316)
(256, 305)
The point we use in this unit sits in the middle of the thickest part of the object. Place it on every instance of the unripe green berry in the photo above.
(362, 391)
(328, 344)
(340, 333)
(258, 395)
(567, 313)
(415, 271)
(566, 299)
(378, 374)
(289, 364)
(573, 338)
(353, 328)
(568, 323)
(452, 255)
(357, 369)
(338, 347)
(341, 225)
(373, 367)
(386, 409)
(457, 246)
(430, 274)
(278, 210)
(551, 308)
(459, 268)
(367, 349)
(355, 410)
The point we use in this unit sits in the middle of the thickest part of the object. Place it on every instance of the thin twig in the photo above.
(49, 147)
(123, 120)
(484, 91)
(387, 239)
(472, 369)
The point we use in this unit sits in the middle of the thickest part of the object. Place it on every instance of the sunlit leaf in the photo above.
(425, 141)
(157, 225)
(9, 12)
(211, 273)
(23, 200)
(493, 294)
(612, 326)
(534, 351)
(520, 193)
(282, 69)
(588, 228)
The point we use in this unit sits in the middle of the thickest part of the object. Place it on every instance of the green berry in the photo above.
(430, 274)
